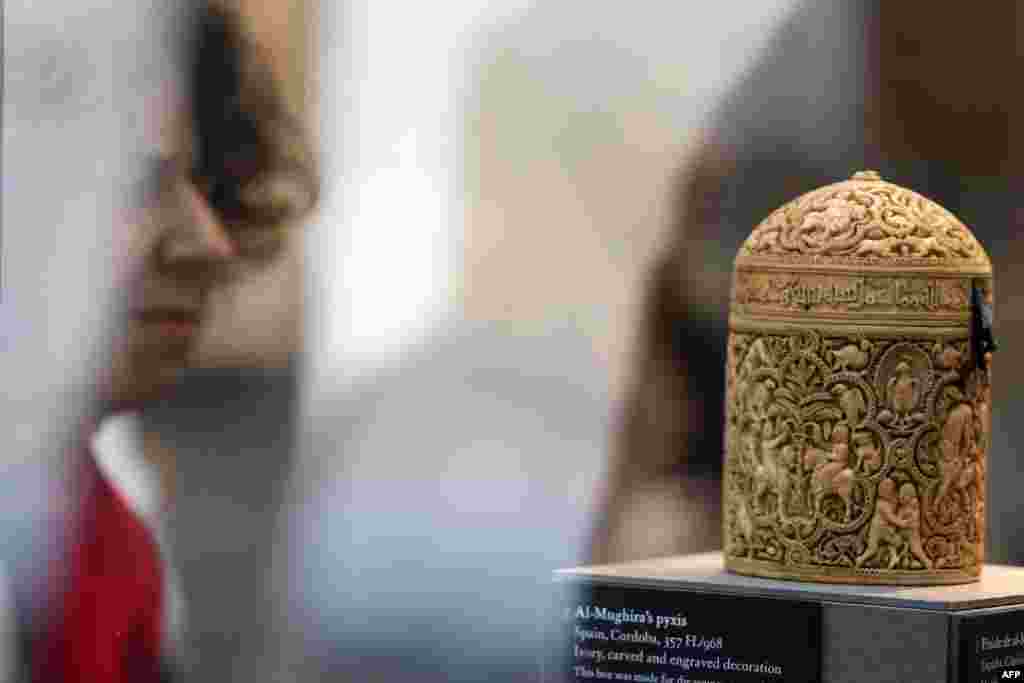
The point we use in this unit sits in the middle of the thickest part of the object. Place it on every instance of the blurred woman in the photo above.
(228, 171)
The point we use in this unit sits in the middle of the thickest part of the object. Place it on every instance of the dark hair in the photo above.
(251, 158)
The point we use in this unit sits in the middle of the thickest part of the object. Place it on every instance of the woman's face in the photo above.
(175, 249)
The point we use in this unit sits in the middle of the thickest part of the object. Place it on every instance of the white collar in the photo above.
(118, 450)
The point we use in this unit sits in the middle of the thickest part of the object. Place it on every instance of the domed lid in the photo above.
(864, 223)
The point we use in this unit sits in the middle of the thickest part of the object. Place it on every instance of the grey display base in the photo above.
(869, 633)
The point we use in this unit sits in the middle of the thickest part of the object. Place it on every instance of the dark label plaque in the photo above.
(991, 646)
(643, 635)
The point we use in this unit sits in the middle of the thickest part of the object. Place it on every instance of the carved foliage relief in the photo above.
(862, 220)
(852, 456)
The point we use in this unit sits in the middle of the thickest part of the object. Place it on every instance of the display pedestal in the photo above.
(685, 619)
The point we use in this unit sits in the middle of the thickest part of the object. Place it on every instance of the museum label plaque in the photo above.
(687, 619)
(622, 633)
(991, 645)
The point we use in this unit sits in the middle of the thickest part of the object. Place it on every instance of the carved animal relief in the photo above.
(856, 434)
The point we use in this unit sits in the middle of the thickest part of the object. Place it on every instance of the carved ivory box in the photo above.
(858, 392)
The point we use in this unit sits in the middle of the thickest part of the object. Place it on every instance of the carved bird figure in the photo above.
(902, 389)
(948, 358)
(853, 356)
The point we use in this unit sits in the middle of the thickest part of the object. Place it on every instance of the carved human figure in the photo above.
(885, 524)
(982, 441)
(759, 398)
(955, 447)
(734, 386)
(757, 357)
(983, 423)
(910, 526)
(979, 502)
(750, 459)
(789, 476)
(744, 523)
(971, 473)
(832, 472)
(770, 475)
(982, 405)
(902, 389)
(867, 452)
(851, 401)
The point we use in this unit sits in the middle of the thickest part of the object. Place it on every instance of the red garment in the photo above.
(105, 624)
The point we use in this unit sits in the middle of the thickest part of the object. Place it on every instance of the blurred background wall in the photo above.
(576, 126)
